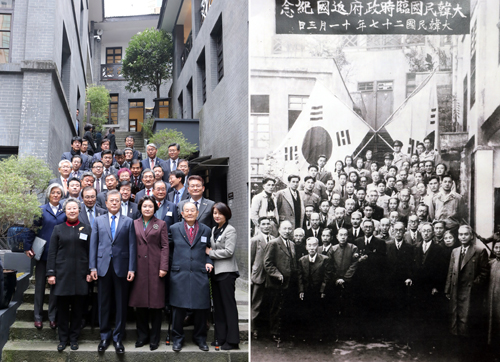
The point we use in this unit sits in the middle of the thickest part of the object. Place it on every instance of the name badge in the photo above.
(83, 236)
(204, 239)
(169, 213)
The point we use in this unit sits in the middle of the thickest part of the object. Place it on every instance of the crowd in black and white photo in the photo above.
(121, 233)
(373, 250)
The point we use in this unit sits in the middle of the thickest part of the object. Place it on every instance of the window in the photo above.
(350, 40)
(295, 106)
(113, 109)
(365, 87)
(114, 55)
(259, 121)
(164, 109)
(411, 83)
(135, 115)
(5, 29)
(203, 75)
(217, 41)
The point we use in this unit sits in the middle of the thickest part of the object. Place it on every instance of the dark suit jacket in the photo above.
(350, 235)
(407, 238)
(204, 211)
(189, 286)
(147, 164)
(165, 165)
(169, 215)
(112, 142)
(399, 262)
(140, 195)
(429, 269)
(83, 217)
(102, 184)
(371, 271)
(57, 180)
(137, 155)
(85, 161)
(171, 195)
(314, 277)
(257, 252)
(122, 247)
(133, 211)
(279, 262)
(47, 221)
(101, 199)
(309, 233)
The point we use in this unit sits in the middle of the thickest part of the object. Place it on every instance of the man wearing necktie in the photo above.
(89, 208)
(465, 288)
(399, 278)
(281, 270)
(189, 286)
(314, 273)
(112, 260)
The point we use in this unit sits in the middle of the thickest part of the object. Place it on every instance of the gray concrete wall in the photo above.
(224, 115)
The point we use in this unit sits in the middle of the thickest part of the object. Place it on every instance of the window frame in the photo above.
(10, 12)
(114, 55)
(111, 102)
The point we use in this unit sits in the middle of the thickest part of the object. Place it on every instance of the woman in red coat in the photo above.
(148, 291)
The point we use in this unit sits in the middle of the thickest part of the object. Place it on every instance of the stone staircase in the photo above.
(139, 140)
(26, 343)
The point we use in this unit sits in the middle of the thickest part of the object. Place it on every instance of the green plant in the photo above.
(21, 180)
(168, 136)
(148, 60)
(98, 96)
(147, 127)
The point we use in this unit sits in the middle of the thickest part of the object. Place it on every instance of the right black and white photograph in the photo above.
(375, 180)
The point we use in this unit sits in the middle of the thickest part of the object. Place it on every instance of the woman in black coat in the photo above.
(68, 272)
(88, 136)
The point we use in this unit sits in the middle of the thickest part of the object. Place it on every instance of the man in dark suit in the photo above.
(315, 230)
(167, 211)
(413, 236)
(281, 271)
(369, 281)
(64, 173)
(112, 140)
(136, 179)
(289, 203)
(183, 165)
(104, 147)
(178, 192)
(189, 286)
(314, 274)
(76, 144)
(299, 241)
(111, 184)
(399, 278)
(112, 259)
(76, 166)
(74, 188)
(148, 180)
(174, 149)
(323, 174)
(196, 188)
(429, 276)
(356, 231)
(151, 161)
(107, 161)
(129, 208)
(129, 142)
(89, 208)
(378, 212)
(339, 222)
(97, 170)
(258, 274)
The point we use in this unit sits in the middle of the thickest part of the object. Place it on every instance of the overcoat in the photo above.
(148, 289)
(189, 286)
(466, 287)
(68, 258)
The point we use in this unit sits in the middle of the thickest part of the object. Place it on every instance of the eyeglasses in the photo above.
(97, 167)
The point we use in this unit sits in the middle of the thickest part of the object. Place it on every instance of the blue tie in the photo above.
(176, 197)
(113, 226)
(91, 214)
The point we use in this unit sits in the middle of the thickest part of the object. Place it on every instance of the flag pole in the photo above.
(366, 144)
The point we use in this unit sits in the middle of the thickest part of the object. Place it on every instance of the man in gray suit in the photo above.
(281, 270)
(112, 259)
(111, 184)
(289, 203)
(258, 276)
(196, 188)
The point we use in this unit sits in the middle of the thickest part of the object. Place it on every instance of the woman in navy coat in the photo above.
(223, 244)
(52, 215)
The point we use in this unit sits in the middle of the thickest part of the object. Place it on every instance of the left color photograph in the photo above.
(124, 187)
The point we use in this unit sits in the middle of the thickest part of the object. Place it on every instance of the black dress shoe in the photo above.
(153, 346)
(119, 348)
(218, 343)
(103, 345)
(140, 344)
(176, 347)
(74, 346)
(203, 347)
(62, 346)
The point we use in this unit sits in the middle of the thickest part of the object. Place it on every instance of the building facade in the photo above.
(44, 69)
(210, 83)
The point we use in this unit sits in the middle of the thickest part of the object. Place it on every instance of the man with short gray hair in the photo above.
(151, 161)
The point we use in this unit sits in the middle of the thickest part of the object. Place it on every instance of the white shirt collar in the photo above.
(116, 220)
(312, 259)
(326, 248)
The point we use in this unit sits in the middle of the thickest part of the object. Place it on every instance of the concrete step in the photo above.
(15, 351)
(25, 312)
(21, 330)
